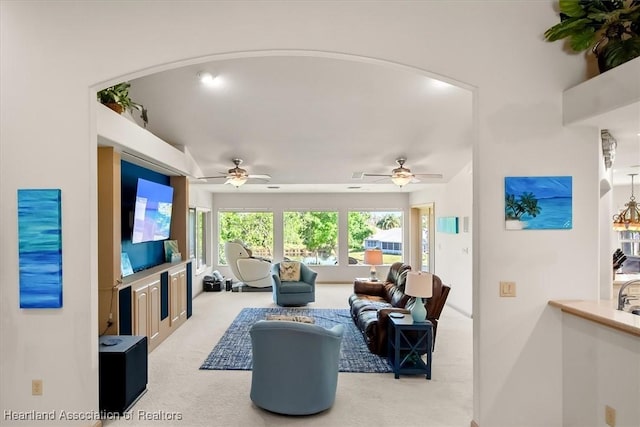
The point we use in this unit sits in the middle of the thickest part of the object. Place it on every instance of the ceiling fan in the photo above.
(401, 175)
(237, 176)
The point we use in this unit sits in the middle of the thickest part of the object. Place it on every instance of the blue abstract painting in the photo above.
(538, 202)
(447, 224)
(40, 248)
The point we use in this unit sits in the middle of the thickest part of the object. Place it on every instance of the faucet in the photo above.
(623, 298)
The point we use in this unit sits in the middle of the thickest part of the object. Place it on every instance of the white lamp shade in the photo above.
(373, 257)
(419, 284)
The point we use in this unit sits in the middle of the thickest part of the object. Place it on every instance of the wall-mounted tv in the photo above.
(152, 213)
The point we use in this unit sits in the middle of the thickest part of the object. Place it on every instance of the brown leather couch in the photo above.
(371, 303)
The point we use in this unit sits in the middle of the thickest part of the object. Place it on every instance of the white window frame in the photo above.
(201, 261)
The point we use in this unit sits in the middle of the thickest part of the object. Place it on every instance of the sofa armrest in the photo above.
(369, 288)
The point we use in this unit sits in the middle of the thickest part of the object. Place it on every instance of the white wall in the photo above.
(341, 203)
(453, 252)
(601, 366)
(51, 53)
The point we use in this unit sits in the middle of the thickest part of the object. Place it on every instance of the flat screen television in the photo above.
(152, 212)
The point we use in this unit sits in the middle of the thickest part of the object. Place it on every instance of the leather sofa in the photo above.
(371, 303)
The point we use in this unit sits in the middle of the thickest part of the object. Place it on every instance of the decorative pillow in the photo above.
(290, 271)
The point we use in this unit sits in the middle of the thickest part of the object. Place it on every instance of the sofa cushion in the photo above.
(289, 271)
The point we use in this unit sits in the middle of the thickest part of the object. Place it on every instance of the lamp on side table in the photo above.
(420, 285)
(373, 257)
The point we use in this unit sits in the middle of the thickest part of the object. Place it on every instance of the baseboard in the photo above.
(474, 424)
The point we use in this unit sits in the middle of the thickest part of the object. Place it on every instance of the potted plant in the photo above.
(117, 98)
(515, 208)
(609, 28)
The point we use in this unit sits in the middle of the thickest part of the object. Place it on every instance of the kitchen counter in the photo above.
(603, 312)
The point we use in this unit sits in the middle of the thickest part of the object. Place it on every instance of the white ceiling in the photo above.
(311, 122)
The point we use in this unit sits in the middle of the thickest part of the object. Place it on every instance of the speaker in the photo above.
(123, 371)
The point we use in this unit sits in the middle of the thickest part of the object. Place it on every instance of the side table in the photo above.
(407, 341)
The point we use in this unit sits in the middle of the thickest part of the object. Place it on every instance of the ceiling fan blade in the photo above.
(260, 176)
(429, 175)
(213, 177)
(376, 174)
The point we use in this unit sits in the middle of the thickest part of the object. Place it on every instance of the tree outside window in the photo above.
(375, 229)
(254, 229)
(311, 237)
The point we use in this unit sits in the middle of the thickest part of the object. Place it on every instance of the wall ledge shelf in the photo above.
(616, 91)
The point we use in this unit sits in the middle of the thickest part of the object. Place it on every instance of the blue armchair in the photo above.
(293, 292)
(295, 366)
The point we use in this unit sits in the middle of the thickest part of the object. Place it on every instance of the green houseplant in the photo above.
(117, 98)
(609, 28)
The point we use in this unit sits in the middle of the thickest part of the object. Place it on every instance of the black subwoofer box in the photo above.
(123, 371)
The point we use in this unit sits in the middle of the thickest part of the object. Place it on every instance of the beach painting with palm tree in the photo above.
(538, 202)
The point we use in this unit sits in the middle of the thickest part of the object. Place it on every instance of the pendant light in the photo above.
(629, 218)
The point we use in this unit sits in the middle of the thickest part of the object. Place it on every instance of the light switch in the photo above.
(507, 289)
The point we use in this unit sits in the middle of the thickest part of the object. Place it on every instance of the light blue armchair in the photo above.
(295, 366)
(301, 292)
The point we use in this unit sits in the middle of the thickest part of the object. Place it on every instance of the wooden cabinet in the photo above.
(154, 302)
(178, 295)
(146, 310)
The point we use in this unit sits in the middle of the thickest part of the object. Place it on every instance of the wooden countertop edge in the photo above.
(571, 307)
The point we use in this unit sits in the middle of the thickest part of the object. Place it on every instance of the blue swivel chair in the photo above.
(300, 291)
(295, 366)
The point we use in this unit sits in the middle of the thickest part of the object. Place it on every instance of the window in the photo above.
(198, 237)
(311, 237)
(629, 242)
(255, 229)
(375, 229)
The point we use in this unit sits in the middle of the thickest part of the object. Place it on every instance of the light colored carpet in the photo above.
(179, 389)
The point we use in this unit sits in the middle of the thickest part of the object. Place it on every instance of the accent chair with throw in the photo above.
(295, 366)
(293, 283)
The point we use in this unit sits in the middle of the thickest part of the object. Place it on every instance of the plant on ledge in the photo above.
(610, 28)
(117, 98)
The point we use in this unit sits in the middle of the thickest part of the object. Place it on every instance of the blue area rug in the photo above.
(233, 351)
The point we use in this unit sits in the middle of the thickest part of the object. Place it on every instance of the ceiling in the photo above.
(311, 122)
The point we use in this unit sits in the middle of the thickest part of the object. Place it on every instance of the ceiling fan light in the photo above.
(237, 181)
(401, 180)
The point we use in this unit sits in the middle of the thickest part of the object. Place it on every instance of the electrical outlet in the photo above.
(36, 387)
(610, 416)
(507, 289)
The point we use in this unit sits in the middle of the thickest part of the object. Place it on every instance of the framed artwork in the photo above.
(125, 265)
(40, 248)
(447, 224)
(538, 203)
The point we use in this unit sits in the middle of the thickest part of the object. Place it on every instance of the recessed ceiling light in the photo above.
(209, 79)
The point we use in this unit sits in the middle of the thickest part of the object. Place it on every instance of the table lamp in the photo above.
(420, 285)
(373, 257)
